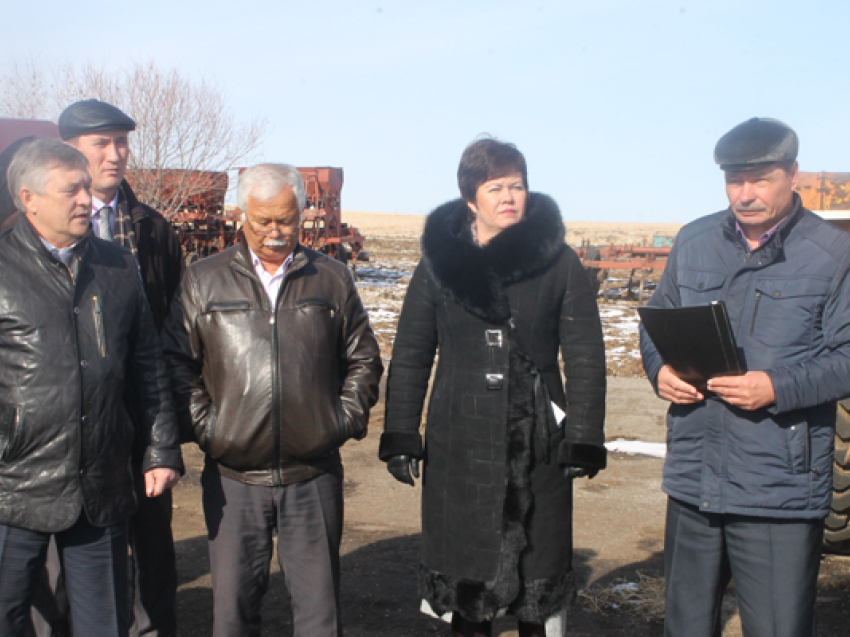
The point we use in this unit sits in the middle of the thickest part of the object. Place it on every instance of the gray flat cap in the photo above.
(92, 116)
(759, 141)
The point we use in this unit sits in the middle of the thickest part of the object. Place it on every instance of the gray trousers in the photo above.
(774, 563)
(241, 522)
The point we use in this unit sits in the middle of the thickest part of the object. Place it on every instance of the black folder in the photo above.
(696, 341)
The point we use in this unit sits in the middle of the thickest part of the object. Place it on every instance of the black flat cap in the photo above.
(92, 116)
(759, 141)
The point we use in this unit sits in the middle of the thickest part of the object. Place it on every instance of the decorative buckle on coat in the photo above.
(494, 338)
(495, 381)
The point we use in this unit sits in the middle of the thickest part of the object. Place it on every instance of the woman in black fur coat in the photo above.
(497, 295)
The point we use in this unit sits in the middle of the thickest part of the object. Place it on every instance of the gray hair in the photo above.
(265, 181)
(30, 167)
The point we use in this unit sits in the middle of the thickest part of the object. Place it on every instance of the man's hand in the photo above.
(674, 389)
(753, 390)
(402, 466)
(159, 479)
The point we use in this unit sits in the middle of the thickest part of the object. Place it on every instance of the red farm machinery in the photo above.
(205, 225)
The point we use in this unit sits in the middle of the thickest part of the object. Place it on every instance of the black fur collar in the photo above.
(474, 276)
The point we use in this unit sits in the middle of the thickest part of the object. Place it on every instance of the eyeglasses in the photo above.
(268, 227)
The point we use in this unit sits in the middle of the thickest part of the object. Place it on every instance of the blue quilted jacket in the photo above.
(789, 305)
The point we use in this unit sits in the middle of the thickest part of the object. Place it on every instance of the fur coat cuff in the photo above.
(397, 443)
(576, 454)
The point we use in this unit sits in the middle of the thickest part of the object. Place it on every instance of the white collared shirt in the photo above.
(271, 282)
(96, 205)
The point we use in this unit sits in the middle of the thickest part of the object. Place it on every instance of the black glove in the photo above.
(579, 472)
(402, 466)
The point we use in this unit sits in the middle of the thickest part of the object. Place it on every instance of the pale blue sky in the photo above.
(616, 104)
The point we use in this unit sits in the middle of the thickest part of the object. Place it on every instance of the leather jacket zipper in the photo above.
(275, 398)
(98, 323)
(755, 313)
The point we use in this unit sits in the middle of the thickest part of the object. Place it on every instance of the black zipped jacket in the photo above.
(270, 394)
(73, 352)
(160, 255)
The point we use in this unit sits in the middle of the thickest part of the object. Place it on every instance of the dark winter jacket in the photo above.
(497, 316)
(73, 352)
(789, 305)
(159, 254)
(271, 393)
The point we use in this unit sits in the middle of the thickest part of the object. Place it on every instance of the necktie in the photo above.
(104, 230)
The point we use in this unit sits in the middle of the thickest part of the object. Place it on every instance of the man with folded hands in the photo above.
(749, 458)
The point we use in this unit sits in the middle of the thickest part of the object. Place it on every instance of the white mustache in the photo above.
(274, 243)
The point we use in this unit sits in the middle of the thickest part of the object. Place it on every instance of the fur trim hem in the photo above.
(577, 454)
(477, 602)
(397, 443)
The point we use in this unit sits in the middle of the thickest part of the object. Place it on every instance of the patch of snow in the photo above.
(638, 448)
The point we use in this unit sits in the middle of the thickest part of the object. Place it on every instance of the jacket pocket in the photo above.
(797, 437)
(227, 306)
(100, 330)
(700, 288)
(316, 304)
(785, 311)
(11, 421)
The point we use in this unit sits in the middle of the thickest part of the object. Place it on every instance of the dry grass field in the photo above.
(597, 232)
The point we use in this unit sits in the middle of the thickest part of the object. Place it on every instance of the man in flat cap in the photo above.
(749, 458)
(101, 132)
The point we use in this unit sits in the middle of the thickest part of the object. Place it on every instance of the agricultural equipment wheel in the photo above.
(837, 533)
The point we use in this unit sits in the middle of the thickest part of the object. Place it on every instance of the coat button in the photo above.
(76, 310)
(84, 364)
(706, 505)
(701, 286)
(777, 293)
(84, 419)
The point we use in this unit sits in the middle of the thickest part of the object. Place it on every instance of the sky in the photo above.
(616, 104)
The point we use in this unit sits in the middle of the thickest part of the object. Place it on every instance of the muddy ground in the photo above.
(618, 517)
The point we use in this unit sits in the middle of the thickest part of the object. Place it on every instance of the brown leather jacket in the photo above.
(271, 394)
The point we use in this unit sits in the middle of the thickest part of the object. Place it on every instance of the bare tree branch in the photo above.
(185, 133)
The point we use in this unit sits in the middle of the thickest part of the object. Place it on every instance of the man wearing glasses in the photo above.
(275, 367)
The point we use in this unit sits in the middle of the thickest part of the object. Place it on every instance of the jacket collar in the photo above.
(242, 259)
(774, 245)
(128, 197)
(474, 276)
(29, 238)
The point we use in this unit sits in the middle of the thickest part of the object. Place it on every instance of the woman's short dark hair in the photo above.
(486, 159)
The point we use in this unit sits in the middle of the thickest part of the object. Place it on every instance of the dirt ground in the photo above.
(618, 516)
(619, 525)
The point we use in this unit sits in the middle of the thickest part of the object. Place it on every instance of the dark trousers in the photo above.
(241, 522)
(95, 566)
(153, 566)
(152, 570)
(774, 563)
